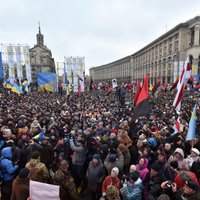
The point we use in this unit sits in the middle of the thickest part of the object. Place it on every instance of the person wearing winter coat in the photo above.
(38, 170)
(8, 168)
(142, 167)
(78, 160)
(132, 189)
(127, 157)
(20, 186)
(194, 156)
(64, 179)
(195, 168)
(178, 155)
(95, 176)
(111, 186)
(114, 160)
(124, 138)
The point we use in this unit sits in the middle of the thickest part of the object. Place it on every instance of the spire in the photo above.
(40, 37)
(39, 28)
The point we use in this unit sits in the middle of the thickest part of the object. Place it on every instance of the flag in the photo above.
(108, 91)
(142, 104)
(137, 92)
(191, 80)
(8, 85)
(175, 84)
(192, 125)
(177, 126)
(156, 86)
(150, 87)
(91, 83)
(16, 89)
(79, 85)
(25, 83)
(185, 75)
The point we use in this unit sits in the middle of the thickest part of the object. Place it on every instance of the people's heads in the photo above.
(114, 172)
(155, 168)
(167, 146)
(141, 162)
(132, 168)
(194, 152)
(134, 176)
(36, 155)
(45, 140)
(190, 187)
(24, 173)
(95, 159)
(61, 156)
(64, 165)
(112, 158)
(161, 157)
(7, 133)
(178, 154)
(146, 151)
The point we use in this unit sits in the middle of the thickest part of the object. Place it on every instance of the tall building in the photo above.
(41, 59)
(163, 58)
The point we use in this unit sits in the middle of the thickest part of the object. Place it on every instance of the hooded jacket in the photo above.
(7, 167)
(143, 170)
(180, 151)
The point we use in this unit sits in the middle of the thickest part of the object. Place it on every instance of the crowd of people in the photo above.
(93, 147)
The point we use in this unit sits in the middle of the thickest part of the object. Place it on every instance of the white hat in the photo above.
(195, 151)
(116, 170)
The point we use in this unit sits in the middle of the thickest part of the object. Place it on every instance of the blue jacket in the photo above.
(7, 167)
(132, 191)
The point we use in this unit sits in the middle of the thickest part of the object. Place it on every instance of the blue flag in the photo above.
(192, 125)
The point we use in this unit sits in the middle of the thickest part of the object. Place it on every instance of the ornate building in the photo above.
(40, 58)
(163, 58)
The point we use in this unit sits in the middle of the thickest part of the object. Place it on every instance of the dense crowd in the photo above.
(93, 147)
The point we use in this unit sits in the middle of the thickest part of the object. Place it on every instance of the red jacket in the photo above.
(110, 181)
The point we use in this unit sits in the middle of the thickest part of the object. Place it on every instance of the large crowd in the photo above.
(93, 147)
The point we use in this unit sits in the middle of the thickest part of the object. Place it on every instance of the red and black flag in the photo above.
(137, 92)
(175, 84)
(156, 86)
(91, 83)
(142, 106)
(191, 80)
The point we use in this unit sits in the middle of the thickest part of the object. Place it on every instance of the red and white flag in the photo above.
(185, 75)
(177, 126)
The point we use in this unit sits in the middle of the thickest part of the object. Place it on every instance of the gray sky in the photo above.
(101, 30)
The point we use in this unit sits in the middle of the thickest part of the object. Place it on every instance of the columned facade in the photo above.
(163, 58)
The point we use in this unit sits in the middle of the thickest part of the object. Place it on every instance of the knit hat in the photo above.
(96, 156)
(195, 151)
(155, 167)
(24, 173)
(116, 170)
(112, 157)
(134, 176)
(192, 185)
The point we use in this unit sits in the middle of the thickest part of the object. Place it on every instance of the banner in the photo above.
(11, 63)
(47, 82)
(19, 63)
(1, 67)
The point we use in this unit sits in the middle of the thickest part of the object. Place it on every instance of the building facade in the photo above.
(163, 58)
(40, 58)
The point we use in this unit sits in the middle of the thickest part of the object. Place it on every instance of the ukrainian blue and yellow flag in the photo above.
(25, 83)
(8, 85)
(46, 82)
(192, 125)
(16, 89)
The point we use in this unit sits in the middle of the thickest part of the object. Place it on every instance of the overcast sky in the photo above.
(101, 30)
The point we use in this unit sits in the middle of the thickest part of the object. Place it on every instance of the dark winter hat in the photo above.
(192, 185)
(24, 173)
(112, 157)
(155, 167)
(96, 156)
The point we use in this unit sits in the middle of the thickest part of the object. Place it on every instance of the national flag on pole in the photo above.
(91, 83)
(177, 126)
(8, 84)
(150, 87)
(185, 75)
(191, 81)
(175, 84)
(156, 86)
(16, 89)
(142, 104)
(25, 83)
(137, 92)
(79, 85)
(192, 125)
